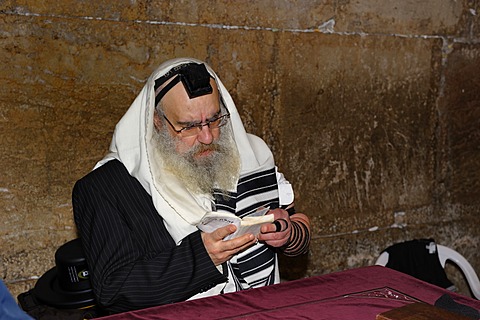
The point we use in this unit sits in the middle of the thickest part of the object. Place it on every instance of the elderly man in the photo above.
(180, 152)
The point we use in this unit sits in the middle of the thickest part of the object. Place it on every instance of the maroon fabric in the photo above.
(352, 294)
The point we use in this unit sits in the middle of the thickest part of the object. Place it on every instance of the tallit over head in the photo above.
(132, 144)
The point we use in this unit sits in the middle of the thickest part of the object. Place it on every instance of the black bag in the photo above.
(419, 258)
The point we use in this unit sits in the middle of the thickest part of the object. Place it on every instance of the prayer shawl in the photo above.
(132, 144)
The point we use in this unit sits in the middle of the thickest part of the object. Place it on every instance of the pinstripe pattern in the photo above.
(254, 267)
(133, 261)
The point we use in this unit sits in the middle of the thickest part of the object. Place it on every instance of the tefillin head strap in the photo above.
(194, 76)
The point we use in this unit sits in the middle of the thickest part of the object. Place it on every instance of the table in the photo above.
(352, 294)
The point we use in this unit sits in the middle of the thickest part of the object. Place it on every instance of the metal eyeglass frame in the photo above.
(222, 120)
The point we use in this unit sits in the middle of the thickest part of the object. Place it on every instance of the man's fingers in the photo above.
(221, 250)
(252, 240)
(222, 232)
(238, 243)
(268, 227)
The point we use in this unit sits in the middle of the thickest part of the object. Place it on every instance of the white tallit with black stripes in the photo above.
(256, 266)
(181, 210)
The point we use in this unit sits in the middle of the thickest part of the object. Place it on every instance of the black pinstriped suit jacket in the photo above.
(133, 261)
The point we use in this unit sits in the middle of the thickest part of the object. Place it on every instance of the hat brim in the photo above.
(48, 291)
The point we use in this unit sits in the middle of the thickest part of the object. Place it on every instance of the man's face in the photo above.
(204, 161)
(182, 112)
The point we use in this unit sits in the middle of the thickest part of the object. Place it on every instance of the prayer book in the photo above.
(248, 224)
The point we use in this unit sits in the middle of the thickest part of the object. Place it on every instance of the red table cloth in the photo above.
(352, 294)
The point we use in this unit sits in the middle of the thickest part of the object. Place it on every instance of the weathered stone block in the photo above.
(371, 114)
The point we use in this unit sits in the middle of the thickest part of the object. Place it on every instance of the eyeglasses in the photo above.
(194, 129)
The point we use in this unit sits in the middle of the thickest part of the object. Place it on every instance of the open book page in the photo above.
(249, 224)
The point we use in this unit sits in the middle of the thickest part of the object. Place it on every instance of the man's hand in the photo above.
(221, 250)
(269, 233)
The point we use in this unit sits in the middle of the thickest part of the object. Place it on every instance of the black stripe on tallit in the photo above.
(272, 204)
(255, 261)
(225, 203)
(255, 175)
(257, 183)
(248, 186)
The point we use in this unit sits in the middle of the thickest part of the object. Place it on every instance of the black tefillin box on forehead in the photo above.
(194, 76)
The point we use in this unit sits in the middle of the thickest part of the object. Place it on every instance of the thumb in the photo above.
(222, 232)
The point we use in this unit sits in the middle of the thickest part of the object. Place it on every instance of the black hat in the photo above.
(67, 285)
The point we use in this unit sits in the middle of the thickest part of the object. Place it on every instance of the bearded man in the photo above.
(180, 152)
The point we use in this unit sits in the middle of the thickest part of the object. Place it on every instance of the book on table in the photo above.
(419, 311)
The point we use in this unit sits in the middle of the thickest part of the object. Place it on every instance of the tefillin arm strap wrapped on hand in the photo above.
(299, 238)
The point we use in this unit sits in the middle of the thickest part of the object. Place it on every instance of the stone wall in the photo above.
(372, 110)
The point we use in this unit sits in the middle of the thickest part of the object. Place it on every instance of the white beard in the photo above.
(219, 170)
